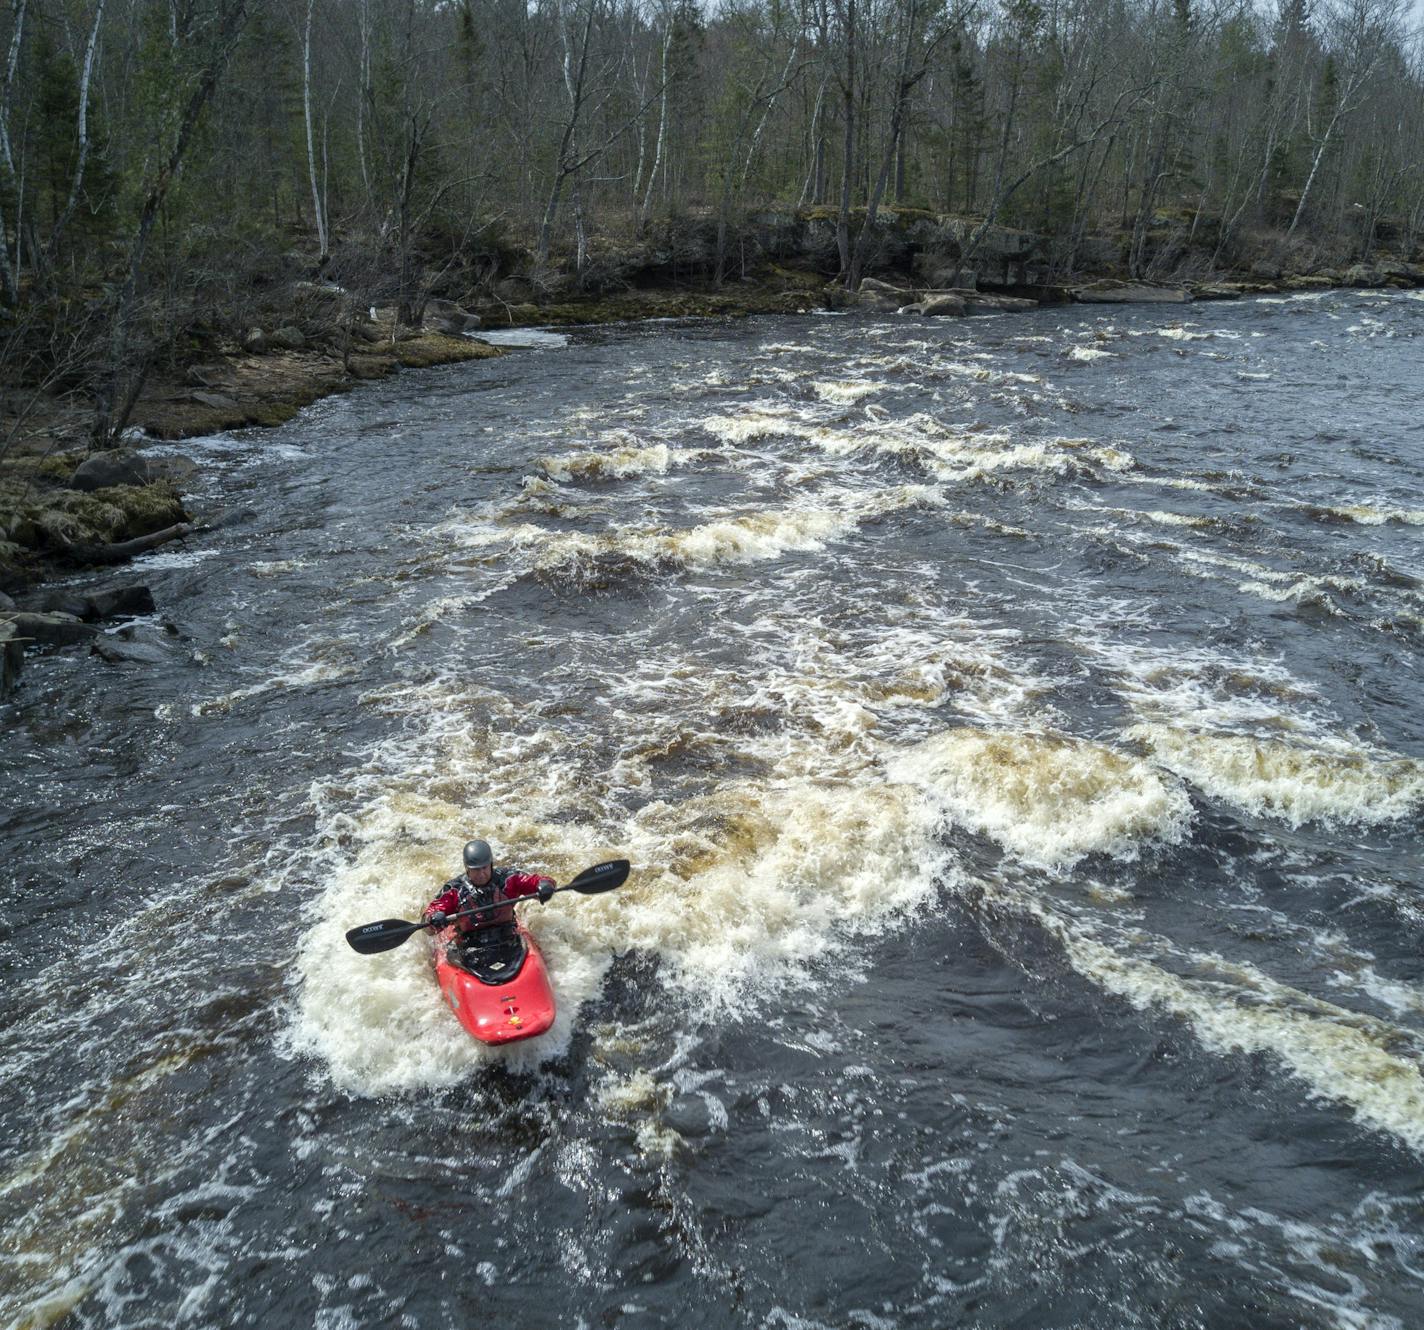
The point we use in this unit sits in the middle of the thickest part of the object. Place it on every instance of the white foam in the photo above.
(617, 463)
(757, 421)
(747, 538)
(844, 392)
(1339, 1055)
(1368, 514)
(538, 339)
(1296, 781)
(1048, 798)
(305, 675)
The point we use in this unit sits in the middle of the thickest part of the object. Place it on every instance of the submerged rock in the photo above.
(55, 629)
(117, 651)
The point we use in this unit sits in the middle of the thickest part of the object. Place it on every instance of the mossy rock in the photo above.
(119, 512)
(439, 349)
(370, 367)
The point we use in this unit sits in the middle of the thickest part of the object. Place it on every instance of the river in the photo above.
(1015, 727)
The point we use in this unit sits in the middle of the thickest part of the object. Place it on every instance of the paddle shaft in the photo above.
(388, 933)
(498, 905)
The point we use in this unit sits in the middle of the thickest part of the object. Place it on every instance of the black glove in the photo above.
(546, 889)
(437, 920)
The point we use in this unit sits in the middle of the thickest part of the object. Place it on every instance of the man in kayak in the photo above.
(482, 884)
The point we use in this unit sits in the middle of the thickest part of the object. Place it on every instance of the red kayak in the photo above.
(500, 993)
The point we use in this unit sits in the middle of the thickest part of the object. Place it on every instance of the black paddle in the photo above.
(388, 933)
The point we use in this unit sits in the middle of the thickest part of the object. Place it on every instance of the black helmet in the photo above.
(478, 854)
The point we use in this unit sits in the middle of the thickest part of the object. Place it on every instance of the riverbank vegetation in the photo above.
(189, 183)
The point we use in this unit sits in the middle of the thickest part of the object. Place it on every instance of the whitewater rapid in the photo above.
(1013, 728)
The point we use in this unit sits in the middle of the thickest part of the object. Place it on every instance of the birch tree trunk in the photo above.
(318, 208)
(647, 205)
(82, 135)
(9, 263)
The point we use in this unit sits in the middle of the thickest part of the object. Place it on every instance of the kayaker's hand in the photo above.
(436, 920)
(546, 889)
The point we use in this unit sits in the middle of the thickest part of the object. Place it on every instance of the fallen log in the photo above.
(88, 552)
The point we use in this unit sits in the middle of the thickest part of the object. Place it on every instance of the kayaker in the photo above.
(482, 884)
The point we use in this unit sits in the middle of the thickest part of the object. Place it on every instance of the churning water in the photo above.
(1015, 727)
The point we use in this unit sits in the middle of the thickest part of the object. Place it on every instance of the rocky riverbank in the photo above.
(62, 507)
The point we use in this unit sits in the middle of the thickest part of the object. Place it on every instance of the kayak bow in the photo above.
(499, 994)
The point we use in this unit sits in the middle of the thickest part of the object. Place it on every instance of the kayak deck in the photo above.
(500, 1009)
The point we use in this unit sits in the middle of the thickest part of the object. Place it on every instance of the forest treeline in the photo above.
(166, 165)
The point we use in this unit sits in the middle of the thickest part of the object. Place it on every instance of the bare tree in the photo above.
(1363, 31)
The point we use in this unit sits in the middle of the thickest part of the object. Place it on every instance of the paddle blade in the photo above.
(601, 877)
(381, 936)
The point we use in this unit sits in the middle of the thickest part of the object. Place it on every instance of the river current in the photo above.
(1015, 726)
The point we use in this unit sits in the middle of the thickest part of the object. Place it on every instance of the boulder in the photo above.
(1363, 275)
(937, 305)
(447, 317)
(218, 401)
(1265, 270)
(12, 657)
(1411, 274)
(288, 338)
(117, 651)
(367, 331)
(880, 301)
(121, 466)
(873, 286)
(118, 466)
(96, 605)
(450, 327)
(51, 629)
(878, 295)
(6, 602)
(121, 600)
(1217, 291)
(114, 467)
(978, 302)
(254, 341)
(59, 602)
(1307, 282)
(1130, 293)
(689, 1115)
